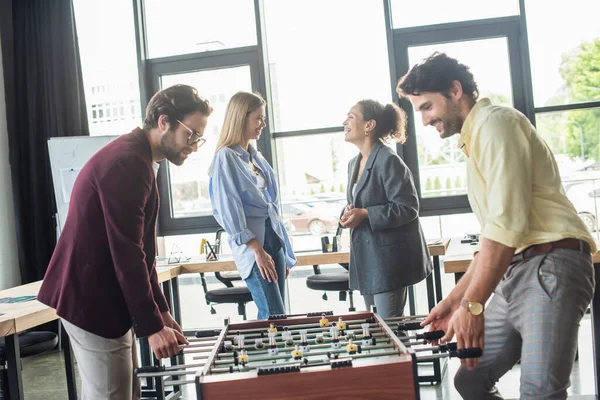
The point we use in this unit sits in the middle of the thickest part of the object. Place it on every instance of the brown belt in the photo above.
(544, 248)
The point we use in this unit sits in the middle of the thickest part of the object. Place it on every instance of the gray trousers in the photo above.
(533, 316)
(105, 365)
(389, 304)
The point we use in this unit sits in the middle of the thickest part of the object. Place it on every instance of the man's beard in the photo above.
(452, 121)
(170, 150)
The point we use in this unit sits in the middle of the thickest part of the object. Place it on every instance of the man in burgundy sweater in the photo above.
(102, 278)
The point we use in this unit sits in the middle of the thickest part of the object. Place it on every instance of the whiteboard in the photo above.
(68, 155)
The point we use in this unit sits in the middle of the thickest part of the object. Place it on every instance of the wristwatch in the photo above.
(473, 307)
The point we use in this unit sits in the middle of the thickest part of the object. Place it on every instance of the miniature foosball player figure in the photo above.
(240, 341)
(350, 335)
(351, 347)
(367, 339)
(324, 322)
(242, 358)
(286, 336)
(297, 353)
(272, 328)
(341, 325)
(335, 338)
(259, 344)
(272, 344)
(319, 339)
(303, 340)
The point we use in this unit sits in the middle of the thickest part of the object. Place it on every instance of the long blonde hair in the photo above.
(240, 105)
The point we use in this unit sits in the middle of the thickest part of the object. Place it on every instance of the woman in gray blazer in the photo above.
(388, 250)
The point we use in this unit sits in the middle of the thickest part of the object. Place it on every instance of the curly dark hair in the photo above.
(176, 102)
(436, 74)
(390, 120)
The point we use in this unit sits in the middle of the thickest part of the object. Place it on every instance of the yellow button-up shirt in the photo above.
(515, 189)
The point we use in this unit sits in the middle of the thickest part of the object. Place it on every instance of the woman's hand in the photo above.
(353, 216)
(266, 265)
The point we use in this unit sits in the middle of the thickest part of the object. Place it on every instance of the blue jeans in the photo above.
(269, 297)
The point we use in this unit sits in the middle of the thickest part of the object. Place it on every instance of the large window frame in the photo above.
(398, 41)
(152, 69)
(404, 38)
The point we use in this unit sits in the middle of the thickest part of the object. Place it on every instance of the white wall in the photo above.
(9, 261)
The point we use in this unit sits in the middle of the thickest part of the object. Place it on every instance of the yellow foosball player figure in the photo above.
(243, 358)
(272, 344)
(341, 325)
(324, 322)
(297, 353)
(351, 347)
(272, 328)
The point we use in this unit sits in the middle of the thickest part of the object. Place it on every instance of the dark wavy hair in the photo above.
(436, 74)
(176, 102)
(390, 120)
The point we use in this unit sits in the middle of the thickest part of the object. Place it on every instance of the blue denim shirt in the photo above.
(241, 208)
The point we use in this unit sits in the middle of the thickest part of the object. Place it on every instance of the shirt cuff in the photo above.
(243, 237)
(503, 236)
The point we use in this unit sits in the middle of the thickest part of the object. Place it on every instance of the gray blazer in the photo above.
(388, 250)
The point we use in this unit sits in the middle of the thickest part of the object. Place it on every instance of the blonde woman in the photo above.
(244, 199)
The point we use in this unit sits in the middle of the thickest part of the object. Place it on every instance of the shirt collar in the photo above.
(245, 155)
(464, 142)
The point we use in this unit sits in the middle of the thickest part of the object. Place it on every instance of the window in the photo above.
(189, 182)
(313, 193)
(413, 13)
(193, 26)
(442, 165)
(564, 44)
(321, 63)
(574, 137)
(109, 65)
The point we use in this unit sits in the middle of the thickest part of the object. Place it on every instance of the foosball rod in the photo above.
(317, 363)
(309, 353)
(296, 332)
(222, 356)
(284, 347)
(460, 353)
(213, 334)
(293, 328)
(442, 347)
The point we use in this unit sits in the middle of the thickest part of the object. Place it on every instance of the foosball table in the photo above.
(309, 356)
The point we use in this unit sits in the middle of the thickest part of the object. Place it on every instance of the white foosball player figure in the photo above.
(259, 344)
(367, 339)
(319, 339)
(335, 337)
(240, 342)
(303, 340)
(286, 336)
(272, 344)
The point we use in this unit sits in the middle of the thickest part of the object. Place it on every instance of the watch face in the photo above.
(475, 308)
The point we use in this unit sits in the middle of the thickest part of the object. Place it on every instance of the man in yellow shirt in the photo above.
(535, 253)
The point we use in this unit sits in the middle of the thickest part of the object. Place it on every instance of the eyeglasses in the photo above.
(194, 137)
